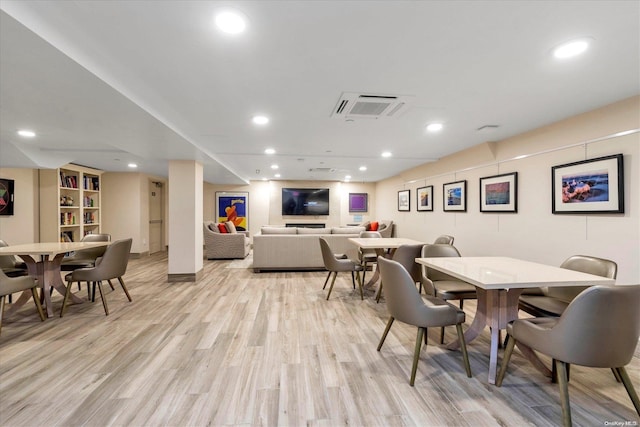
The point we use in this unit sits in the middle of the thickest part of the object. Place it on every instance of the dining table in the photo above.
(499, 281)
(380, 244)
(43, 262)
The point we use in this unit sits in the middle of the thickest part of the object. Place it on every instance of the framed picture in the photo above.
(6, 196)
(404, 200)
(233, 207)
(499, 193)
(358, 202)
(589, 186)
(424, 199)
(455, 196)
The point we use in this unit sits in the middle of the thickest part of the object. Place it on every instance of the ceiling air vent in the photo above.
(364, 106)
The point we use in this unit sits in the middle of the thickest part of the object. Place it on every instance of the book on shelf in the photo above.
(66, 236)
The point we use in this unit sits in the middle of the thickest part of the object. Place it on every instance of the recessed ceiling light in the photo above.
(260, 120)
(132, 165)
(269, 151)
(230, 22)
(571, 49)
(434, 127)
(347, 177)
(264, 179)
(274, 166)
(362, 168)
(386, 154)
(26, 133)
(277, 175)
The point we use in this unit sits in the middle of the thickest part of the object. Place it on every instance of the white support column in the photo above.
(185, 220)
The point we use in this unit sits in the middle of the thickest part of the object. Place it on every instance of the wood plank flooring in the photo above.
(245, 349)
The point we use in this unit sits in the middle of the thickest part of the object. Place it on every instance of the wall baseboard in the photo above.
(184, 277)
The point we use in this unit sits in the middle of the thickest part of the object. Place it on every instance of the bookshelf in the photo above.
(69, 203)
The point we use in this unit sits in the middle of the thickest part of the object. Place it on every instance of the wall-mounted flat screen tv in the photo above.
(305, 201)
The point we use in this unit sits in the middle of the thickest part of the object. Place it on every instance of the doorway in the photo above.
(155, 216)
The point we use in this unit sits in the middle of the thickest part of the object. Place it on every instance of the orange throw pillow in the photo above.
(374, 226)
(222, 228)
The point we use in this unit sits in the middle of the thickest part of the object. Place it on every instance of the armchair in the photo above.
(225, 245)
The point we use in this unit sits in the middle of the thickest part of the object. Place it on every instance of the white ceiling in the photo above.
(104, 83)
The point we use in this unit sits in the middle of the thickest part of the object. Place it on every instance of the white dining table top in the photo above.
(507, 273)
(382, 242)
(48, 248)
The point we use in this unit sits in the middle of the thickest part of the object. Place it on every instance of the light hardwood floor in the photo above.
(238, 348)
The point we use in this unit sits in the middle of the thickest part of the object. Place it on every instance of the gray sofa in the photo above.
(294, 248)
(224, 246)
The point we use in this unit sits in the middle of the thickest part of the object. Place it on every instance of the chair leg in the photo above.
(442, 335)
(360, 285)
(386, 331)
(379, 292)
(505, 360)
(353, 279)
(461, 303)
(36, 299)
(416, 356)
(111, 284)
(124, 288)
(364, 271)
(563, 383)
(66, 298)
(624, 377)
(463, 348)
(616, 374)
(104, 301)
(554, 371)
(1, 310)
(326, 280)
(333, 281)
(93, 293)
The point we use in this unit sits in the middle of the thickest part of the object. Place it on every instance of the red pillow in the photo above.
(374, 226)
(222, 228)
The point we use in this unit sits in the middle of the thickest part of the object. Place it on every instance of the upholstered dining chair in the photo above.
(406, 255)
(599, 329)
(10, 285)
(86, 258)
(10, 264)
(444, 240)
(405, 304)
(335, 265)
(368, 256)
(112, 265)
(442, 285)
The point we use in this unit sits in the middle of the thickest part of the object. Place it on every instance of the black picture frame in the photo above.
(6, 196)
(404, 200)
(499, 193)
(454, 196)
(424, 199)
(594, 186)
(358, 202)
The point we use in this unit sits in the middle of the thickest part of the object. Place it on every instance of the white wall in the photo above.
(533, 233)
(23, 225)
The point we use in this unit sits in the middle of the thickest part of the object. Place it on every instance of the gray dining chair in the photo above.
(368, 257)
(10, 264)
(112, 265)
(442, 285)
(404, 303)
(406, 255)
(445, 239)
(335, 265)
(86, 258)
(10, 285)
(599, 329)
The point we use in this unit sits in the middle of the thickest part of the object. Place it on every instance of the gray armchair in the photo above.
(225, 245)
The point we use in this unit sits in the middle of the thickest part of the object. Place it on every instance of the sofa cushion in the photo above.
(213, 227)
(222, 229)
(347, 230)
(307, 230)
(231, 227)
(278, 230)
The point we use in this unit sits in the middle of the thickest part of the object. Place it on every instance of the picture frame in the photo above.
(358, 202)
(404, 200)
(499, 193)
(6, 196)
(424, 199)
(593, 186)
(234, 207)
(454, 196)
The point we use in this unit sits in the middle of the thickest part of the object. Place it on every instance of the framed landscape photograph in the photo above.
(424, 200)
(233, 207)
(404, 200)
(455, 196)
(499, 193)
(589, 186)
(358, 202)
(6, 196)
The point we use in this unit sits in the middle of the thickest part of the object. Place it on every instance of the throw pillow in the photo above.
(231, 227)
(214, 228)
(222, 229)
(374, 226)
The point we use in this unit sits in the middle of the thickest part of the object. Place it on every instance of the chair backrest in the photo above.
(114, 261)
(92, 253)
(585, 264)
(329, 259)
(406, 255)
(386, 228)
(6, 261)
(404, 303)
(10, 285)
(600, 328)
(370, 234)
(437, 251)
(444, 240)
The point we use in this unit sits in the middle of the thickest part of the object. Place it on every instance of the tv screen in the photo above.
(305, 201)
